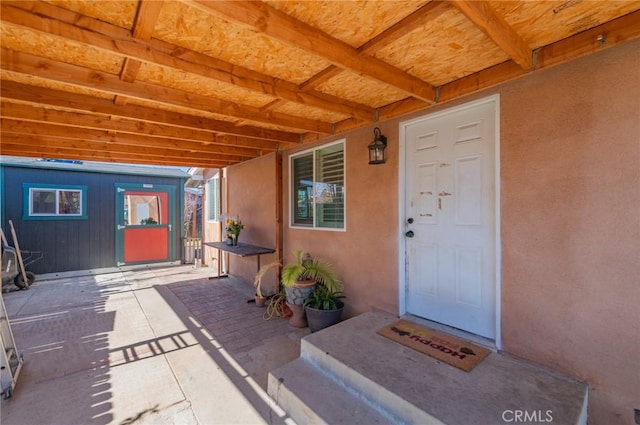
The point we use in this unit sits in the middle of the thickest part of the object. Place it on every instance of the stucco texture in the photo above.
(365, 254)
(571, 225)
(251, 195)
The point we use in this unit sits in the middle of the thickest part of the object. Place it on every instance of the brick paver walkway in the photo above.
(237, 325)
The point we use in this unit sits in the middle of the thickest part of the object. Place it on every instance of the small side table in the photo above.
(241, 250)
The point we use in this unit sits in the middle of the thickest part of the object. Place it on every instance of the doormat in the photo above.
(453, 351)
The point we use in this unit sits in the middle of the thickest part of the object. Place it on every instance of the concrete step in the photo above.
(413, 388)
(311, 396)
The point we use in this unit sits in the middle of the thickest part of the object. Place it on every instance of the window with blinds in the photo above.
(317, 195)
(213, 199)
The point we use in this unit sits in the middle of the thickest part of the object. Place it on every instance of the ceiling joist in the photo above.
(215, 83)
(284, 28)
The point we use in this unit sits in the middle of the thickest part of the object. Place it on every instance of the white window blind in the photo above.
(213, 199)
(317, 188)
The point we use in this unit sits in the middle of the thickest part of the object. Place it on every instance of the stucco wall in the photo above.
(251, 195)
(365, 255)
(571, 225)
(210, 230)
(570, 194)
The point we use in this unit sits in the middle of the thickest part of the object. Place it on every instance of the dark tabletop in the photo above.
(242, 249)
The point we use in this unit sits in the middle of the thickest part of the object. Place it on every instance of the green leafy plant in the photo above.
(322, 298)
(149, 220)
(304, 268)
(307, 268)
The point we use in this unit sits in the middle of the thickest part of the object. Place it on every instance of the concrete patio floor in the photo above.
(155, 346)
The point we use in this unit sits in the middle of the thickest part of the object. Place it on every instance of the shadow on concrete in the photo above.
(129, 347)
(236, 336)
(62, 332)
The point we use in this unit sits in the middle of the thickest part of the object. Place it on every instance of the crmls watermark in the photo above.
(527, 416)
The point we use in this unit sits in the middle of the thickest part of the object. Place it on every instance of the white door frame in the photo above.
(495, 99)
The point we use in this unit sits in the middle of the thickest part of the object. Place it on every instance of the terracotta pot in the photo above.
(298, 319)
(260, 300)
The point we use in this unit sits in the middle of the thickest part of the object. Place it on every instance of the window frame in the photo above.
(216, 207)
(27, 195)
(314, 151)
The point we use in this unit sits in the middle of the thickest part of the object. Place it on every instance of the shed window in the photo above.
(317, 187)
(142, 210)
(54, 202)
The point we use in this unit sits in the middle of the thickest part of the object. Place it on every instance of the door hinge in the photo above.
(120, 264)
(169, 227)
(120, 227)
(120, 189)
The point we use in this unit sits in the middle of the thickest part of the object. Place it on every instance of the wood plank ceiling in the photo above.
(214, 83)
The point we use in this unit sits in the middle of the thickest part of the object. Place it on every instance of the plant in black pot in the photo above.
(323, 308)
(299, 278)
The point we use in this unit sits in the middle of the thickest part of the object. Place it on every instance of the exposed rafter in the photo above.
(289, 30)
(498, 30)
(215, 83)
(58, 98)
(114, 40)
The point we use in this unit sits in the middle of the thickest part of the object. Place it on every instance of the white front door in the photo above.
(450, 218)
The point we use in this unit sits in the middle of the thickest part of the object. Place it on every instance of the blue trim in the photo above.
(26, 200)
(138, 187)
(95, 167)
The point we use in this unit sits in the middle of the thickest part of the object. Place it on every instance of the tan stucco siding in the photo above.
(570, 222)
(571, 225)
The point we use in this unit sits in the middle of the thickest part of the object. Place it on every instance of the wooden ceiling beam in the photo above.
(282, 27)
(9, 125)
(28, 64)
(401, 28)
(417, 19)
(264, 138)
(321, 77)
(34, 151)
(130, 69)
(54, 142)
(121, 125)
(607, 35)
(146, 18)
(617, 31)
(115, 40)
(497, 29)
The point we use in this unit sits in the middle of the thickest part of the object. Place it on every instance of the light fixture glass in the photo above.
(377, 147)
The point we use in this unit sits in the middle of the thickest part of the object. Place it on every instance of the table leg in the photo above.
(218, 276)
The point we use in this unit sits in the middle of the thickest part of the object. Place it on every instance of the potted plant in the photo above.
(259, 296)
(233, 227)
(323, 308)
(299, 279)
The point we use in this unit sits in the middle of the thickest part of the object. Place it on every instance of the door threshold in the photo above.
(458, 333)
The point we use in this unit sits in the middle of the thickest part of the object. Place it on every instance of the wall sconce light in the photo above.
(376, 148)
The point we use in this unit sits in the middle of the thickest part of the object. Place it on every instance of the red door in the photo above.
(146, 226)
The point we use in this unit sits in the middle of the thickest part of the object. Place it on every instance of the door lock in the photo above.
(409, 234)
(410, 220)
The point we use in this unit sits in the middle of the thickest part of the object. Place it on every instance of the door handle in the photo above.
(409, 234)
